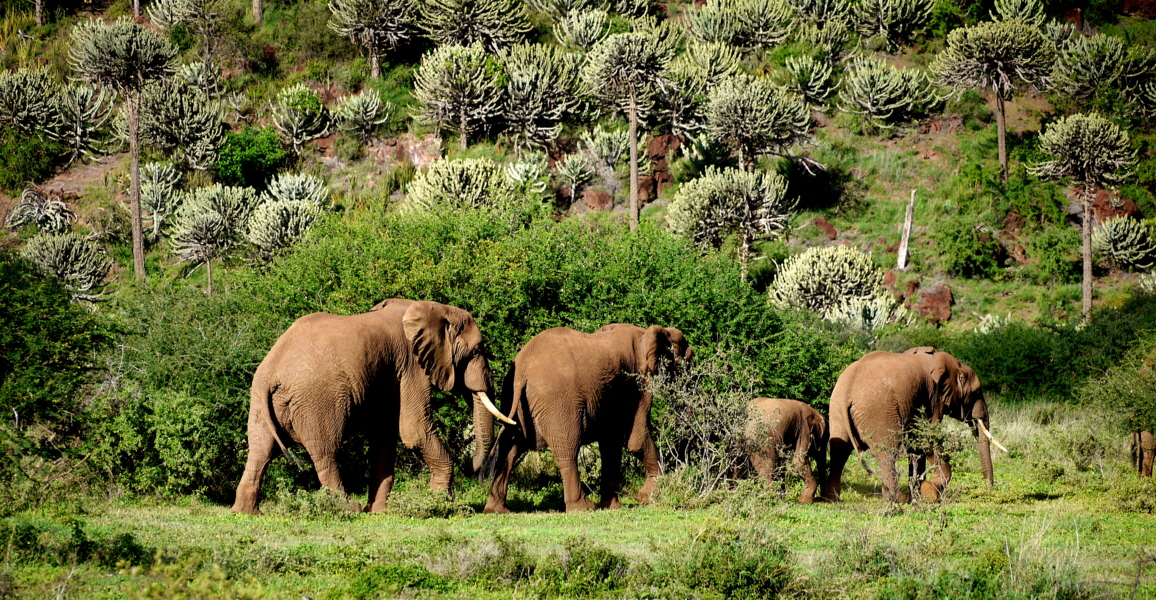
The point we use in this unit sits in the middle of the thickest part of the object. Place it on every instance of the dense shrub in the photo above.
(968, 248)
(48, 355)
(250, 157)
(27, 158)
(749, 563)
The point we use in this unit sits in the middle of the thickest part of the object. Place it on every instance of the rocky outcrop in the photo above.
(935, 304)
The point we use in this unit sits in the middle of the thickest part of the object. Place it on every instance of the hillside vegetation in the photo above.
(182, 179)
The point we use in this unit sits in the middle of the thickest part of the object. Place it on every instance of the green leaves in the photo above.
(459, 87)
(121, 54)
(753, 116)
(494, 24)
(1087, 148)
(995, 56)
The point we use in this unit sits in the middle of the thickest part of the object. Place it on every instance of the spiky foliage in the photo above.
(831, 36)
(471, 182)
(823, 277)
(997, 57)
(200, 75)
(608, 146)
(529, 175)
(582, 28)
(300, 117)
(127, 57)
(232, 204)
(749, 205)
(44, 208)
(363, 113)
(81, 113)
(458, 87)
(867, 314)
(79, 264)
(1137, 76)
(679, 104)
(742, 23)
(183, 121)
(893, 20)
(298, 187)
(557, 9)
(276, 225)
(494, 24)
(158, 194)
(1126, 242)
(378, 26)
(821, 12)
(27, 99)
(543, 89)
(204, 17)
(1030, 12)
(1061, 33)
(884, 94)
(716, 61)
(631, 8)
(1089, 65)
(200, 238)
(753, 116)
(575, 172)
(626, 67)
(810, 78)
(1091, 152)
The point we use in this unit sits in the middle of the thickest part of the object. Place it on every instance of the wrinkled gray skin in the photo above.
(1143, 451)
(877, 397)
(568, 389)
(377, 369)
(778, 424)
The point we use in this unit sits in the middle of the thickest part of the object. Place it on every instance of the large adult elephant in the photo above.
(878, 396)
(377, 369)
(567, 389)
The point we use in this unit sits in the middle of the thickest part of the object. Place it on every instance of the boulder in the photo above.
(826, 227)
(597, 199)
(935, 304)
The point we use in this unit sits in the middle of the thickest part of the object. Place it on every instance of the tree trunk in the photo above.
(209, 272)
(1087, 199)
(136, 9)
(744, 256)
(742, 159)
(258, 14)
(462, 130)
(40, 13)
(1001, 128)
(374, 62)
(908, 218)
(633, 162)
(138, 257)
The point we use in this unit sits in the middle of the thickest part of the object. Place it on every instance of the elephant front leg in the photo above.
(567, 459)
(1147, 453)
(417, 432)
(649, 457)
(803, 468)
(611, 474)
(262, 448)
(931, 490)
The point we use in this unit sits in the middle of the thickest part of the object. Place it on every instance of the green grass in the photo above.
(1055, 507)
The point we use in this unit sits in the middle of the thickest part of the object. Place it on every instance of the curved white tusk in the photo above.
(984, 430)
(493, 409)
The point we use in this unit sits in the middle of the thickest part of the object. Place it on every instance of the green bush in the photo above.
(387, 581)
(250, 157)
(747, 563)
(583, 569)
(968, 248)
(71, 544)
(27, 159)
(49, 351)
(1055, 254)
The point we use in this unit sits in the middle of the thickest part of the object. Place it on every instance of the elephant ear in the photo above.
(427, 328)
(653, 347)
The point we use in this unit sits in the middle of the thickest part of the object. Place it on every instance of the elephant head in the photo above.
(959, 394)
(447, 345)
(659, 345)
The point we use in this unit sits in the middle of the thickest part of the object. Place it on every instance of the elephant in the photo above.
(378, 368)
(876, 399)
(567, 389)
(777, 423)
(1143, 451)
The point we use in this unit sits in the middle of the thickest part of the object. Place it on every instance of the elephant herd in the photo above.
(567, 389)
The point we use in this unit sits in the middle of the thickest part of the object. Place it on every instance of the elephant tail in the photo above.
(512, 393)
(854, 435)
(270, 419)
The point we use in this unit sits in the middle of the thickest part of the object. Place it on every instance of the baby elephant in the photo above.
(776, 424)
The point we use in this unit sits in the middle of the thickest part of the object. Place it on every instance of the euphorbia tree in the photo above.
(997, 57)
(125, 56)
(1091, 152)
(375, 25)
(626, 66)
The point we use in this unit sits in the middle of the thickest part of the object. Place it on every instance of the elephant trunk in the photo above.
(483, 434)
(985, 461)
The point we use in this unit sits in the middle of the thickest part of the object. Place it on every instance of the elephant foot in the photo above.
(644, 496)
(807, 498)
(495, 508)
(580, 505)
(612, 503)
(902, 498)
(929, 491)
(239, 510)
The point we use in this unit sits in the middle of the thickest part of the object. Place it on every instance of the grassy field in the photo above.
(1065, 519)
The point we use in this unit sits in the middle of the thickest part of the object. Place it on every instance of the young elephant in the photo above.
(569, 388)
(327, 371)
(776, 424)
(877, 398)
(1143, 451)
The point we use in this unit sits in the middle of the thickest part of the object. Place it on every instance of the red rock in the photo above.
(647, 188)
(826, 227)
(935, 304)
(1013, 223)
(325, 145)
(1103, 207)
(888, 278)
(660, 146)
(597, 199)
(1017, 253)
(1139, 8)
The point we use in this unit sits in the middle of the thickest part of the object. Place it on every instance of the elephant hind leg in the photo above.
(508, 449)
(611, 474)
(840, 452)
(383, 450)
(566, 455)
(262, 449)
(1147, 453)
(765, 462)
(885, 457)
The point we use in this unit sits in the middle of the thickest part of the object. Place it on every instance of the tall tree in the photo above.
(125, 56)
(458, 87)
(494, 24)
(752, 116)
(376, 25)
(1091, 152)
(997, 57)
(626, 67)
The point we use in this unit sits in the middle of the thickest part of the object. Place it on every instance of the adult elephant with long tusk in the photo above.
(569, 388)
(376, 369)
(877, 398)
